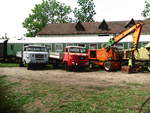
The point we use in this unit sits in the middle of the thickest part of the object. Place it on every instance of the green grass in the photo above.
(7, 97)
(9, 65)
(51, 97)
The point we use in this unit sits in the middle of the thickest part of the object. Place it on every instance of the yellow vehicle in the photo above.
(142, 56)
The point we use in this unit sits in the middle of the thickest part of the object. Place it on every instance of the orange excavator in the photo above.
(109, 57)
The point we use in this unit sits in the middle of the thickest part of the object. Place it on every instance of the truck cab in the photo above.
(34, 55)
(75, 57)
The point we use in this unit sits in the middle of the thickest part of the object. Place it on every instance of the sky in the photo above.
(14, 12)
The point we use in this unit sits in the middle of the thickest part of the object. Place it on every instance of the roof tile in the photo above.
(90, 28)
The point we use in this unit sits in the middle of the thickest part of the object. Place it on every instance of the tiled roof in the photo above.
(92, 28)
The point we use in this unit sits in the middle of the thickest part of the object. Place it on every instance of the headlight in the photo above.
(73, 62)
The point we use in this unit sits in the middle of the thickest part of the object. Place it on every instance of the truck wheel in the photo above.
(21, 65)
(68, 68)
(55, 66)
(29, 66)
(108, 66)
(75, 68)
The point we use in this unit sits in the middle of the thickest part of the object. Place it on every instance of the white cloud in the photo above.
(114, 10)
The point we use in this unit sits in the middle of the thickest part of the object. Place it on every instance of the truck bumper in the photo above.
(81, 64)
(38, 62)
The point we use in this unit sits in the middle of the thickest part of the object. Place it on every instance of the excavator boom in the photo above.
(136, 30)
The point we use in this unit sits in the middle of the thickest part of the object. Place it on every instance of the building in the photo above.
(92, 33)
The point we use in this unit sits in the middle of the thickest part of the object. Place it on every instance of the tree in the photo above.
(85, 12)
(146, 11)
(49, 11)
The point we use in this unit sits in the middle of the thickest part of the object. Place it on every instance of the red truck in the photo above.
(73, 58)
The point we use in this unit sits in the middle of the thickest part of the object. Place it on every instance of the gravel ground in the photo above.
(97, 78)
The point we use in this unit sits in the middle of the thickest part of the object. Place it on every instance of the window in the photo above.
(82, 45)
(66, 50)
(79, 27)
(70, 44)
(25, 49)
(59, 47)
(49, 47)
(93, 46)
(12, 47)
(104, 26)
(144, 43)
(37, 49)
(93, 54)
(77, 50)
(119, 46)
(130, 45)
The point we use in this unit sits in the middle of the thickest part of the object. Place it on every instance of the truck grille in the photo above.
(39, 56)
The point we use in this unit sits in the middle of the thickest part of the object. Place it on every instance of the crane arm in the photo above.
(137, 31)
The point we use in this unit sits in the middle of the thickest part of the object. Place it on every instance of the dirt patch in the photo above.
(74, 78)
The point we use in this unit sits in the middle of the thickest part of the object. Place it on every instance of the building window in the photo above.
(130, 45)
(79, 27)
(104, 26)
(59, 47)
(12, 47)
(49, 47)
(119, 46)
(69, 44)
(93, 46)
(82, 45)
(144, 43)
(66, 50)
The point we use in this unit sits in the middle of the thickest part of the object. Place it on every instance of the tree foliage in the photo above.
(85, 11)
(49, 11)
(146, 11)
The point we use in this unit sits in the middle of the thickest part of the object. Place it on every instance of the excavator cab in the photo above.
(106, 57)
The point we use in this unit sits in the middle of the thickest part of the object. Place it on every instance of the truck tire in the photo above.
(75, 68)
(55, 66)
(21, 65)
(108, 66)
(68, 68)
(29, 66)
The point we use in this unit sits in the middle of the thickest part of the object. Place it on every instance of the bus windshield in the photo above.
(77, 50)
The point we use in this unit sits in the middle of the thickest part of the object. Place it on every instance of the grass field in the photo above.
(9, 65)
(38, 97)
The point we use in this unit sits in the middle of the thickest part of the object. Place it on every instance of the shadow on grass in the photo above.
(7, 103)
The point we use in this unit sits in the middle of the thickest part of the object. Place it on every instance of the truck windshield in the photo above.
(37, 49)
(77, 50)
